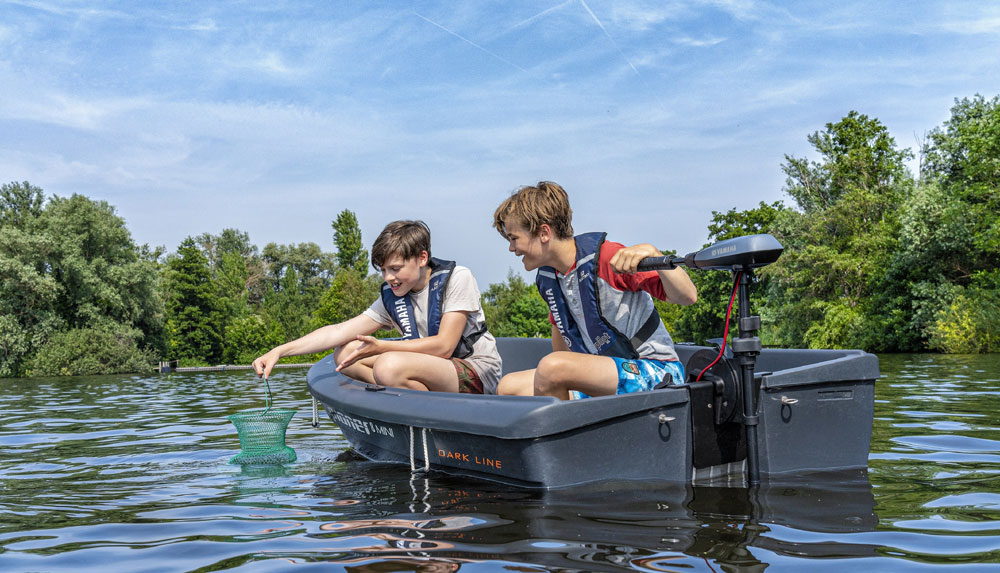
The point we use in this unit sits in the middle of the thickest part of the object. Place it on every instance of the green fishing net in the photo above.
(262, 434)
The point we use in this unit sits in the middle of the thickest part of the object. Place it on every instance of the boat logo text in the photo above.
(470, 458)
(362, 426)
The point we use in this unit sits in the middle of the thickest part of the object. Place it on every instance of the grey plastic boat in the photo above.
(755, 414)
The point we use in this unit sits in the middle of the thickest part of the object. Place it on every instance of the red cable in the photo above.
(725, 336)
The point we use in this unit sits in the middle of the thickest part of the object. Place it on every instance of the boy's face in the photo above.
(405, 275)
(524, 244)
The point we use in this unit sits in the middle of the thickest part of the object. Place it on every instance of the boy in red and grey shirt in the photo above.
(607, 337)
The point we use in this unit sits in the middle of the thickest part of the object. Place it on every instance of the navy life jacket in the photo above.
(401, 308)
(608, 340)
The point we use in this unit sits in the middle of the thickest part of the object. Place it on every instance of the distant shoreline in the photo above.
(164, 369)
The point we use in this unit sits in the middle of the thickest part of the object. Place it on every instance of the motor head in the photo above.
(738, 254)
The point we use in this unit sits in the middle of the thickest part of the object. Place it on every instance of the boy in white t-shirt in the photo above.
(434, 303)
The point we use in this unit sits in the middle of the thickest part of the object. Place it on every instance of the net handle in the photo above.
(267, 396)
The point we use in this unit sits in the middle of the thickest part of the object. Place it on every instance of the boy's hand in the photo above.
(627, 260)
(370, 346)
(265, 363)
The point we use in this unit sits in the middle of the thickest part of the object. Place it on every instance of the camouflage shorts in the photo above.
(468, 380)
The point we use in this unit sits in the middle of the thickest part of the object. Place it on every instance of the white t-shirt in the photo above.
(461, 294)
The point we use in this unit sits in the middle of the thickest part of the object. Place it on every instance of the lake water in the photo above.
(131, 473)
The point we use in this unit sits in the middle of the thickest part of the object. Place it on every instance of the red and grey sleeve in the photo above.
(648, 281)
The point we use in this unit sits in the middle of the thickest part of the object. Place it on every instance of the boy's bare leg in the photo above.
(416, 371)
(521, 383)
(360, 370)
(560, 372)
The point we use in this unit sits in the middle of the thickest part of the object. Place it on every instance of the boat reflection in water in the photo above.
(438, 522)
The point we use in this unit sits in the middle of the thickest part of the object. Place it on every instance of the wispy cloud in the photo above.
(697, 42)
(541, 15)
(203, 25)
(470, 42)
(973, 25)
(199, 113)
(607, 35)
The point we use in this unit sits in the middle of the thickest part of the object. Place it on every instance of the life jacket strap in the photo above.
(646, 331)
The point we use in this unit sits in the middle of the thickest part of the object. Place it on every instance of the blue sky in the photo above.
(271, 118)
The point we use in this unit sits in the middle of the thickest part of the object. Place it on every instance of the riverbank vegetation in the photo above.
(876, 257)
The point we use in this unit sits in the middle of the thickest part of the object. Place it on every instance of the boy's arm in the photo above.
(441, 344)
(677, 285)
(323, 338)
(558, 344)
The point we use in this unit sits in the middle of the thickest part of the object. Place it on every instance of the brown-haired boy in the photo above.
(434, 303)
(607, 337)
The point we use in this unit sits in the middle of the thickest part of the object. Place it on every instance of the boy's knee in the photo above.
(390, 369)
(515, 385)
(553, 364)
(341, 352)
(552, 372)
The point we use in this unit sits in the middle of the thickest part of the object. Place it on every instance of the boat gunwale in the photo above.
(525, 417)
(505, 417)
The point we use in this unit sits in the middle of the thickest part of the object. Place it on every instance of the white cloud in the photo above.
(272, 119)
(38, 103)
(973, 26)
(540, 16)
(203, 25)
(705, 42)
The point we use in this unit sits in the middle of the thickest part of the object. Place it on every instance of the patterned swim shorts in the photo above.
(641, 374)
(468, 380)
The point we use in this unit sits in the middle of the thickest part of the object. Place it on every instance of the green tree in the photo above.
(968, 323)
(943, 275)
(287, 307)
(963, 158)
(20, 204)
(350, 294)
(249, 336)
(515, 308)
(955, 233)
(347, 240)
(70, 265)
(104, 278)
(831, 283)
(28, 290)
(195, 319)
(231, 279)
(314, 268)
(89, 351)
(297, 277)
(215, 247)
(231, 258)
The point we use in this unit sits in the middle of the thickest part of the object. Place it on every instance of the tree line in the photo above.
(876, 257)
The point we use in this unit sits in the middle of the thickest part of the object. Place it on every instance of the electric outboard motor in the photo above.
(738, 254)
(741, 253)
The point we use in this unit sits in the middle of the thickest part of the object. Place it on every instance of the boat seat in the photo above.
(522, 353)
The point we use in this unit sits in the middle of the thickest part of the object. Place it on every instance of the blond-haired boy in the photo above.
(607, 337)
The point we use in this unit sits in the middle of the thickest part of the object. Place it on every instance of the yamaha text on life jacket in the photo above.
(401, 308)
(604, 339)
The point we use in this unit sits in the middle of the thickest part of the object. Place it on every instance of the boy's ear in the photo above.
(422, 259)
(544, 233)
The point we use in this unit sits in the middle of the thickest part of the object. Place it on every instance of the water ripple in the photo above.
(133, 471)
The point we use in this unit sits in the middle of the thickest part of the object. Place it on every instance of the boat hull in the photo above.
(668, 434)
